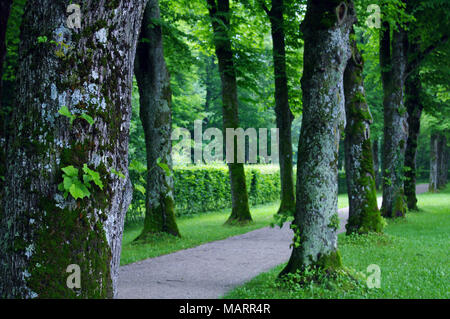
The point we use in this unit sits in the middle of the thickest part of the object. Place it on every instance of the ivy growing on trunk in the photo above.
(43, 232)
(156, 116)
(326, 31)
(364, 215)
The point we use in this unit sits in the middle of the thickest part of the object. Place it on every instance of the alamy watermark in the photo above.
(374, 277)
(74, 19)
(74, 279)
(241, 146)
(374, 19)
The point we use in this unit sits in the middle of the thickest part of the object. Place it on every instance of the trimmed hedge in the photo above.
(206, 188)
(201, 189)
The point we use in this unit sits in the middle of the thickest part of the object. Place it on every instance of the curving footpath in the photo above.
(210, 270)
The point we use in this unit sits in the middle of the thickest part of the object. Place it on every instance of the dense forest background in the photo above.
(195, 79)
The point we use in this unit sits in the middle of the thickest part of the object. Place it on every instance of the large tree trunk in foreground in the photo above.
(156, 117)
(42, 231)
(395, 120)
(326, 29)
(414, 108)
(220, 19)
(282, 110)
(364, 215)
(5, 7)
(442, 162)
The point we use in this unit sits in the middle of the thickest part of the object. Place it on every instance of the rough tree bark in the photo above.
(326, 30)
(414, 105)
(283, 112)
(156, 116)
(219, 12)
(5, 7)
(395, 120)
(90, 72)
(364, 215)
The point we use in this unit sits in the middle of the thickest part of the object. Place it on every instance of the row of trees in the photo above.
(66, 186)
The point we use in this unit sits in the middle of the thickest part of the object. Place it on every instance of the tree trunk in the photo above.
(414, 107)
(434, 163)
(326, 30)
(220, 19)
(395, 121)
(156, 116)
(283, 112)
(364, 215)
(5, 7)
(47, 226)
(442, 162)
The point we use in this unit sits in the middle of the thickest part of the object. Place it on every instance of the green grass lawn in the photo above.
(413, 256)
(196, 230)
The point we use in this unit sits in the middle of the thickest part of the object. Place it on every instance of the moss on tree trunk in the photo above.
(220, 18)
(156, 117)
(90, 72)
(364, 215)
(5, 7)
(326, 30)
(395, 120)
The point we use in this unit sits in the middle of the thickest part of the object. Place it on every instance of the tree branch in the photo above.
(212, 6)
(414, 64)
(385, 51)
(264, 7)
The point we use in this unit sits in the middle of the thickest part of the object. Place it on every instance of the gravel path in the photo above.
(210, 270)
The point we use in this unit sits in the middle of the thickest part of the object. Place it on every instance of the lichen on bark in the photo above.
(42, 232)
(393, 64)
(364, 215)
(327, 50)
(156, 116)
